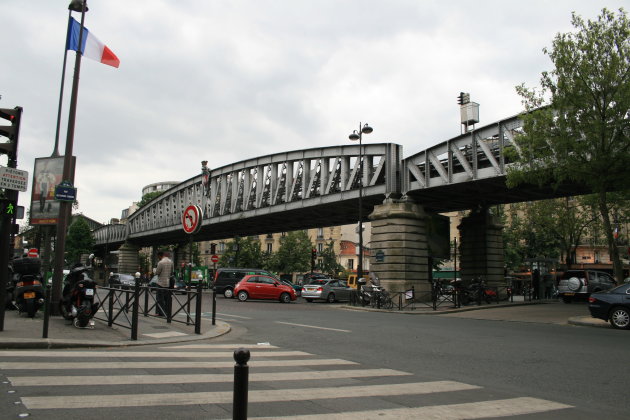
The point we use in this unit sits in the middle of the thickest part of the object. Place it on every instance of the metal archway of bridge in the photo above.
(320, 187)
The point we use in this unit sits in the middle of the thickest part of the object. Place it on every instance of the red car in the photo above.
(263, 287)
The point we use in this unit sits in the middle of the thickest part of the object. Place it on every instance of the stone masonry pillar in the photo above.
(399, 248)
(128, 259)
(481, 249)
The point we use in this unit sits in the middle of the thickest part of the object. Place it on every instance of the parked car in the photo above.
(330, 290)
(296, 287)
(612, 305)
(225, 279)
(123, 281)
(575, 284)
(179, 286)
(264, 287)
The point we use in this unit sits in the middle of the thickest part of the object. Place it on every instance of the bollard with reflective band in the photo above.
(241, 379)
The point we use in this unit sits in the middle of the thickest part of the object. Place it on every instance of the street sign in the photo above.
(65, 192)
(13, 179)
(191, 219)
(32, 253)
(214, 259)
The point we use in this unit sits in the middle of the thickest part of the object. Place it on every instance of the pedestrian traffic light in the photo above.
(8, 208)
(11, 131)
(313, 254)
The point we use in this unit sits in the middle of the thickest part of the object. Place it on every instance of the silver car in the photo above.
(330, 290)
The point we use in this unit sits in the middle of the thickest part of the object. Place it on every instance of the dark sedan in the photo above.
(612, 305)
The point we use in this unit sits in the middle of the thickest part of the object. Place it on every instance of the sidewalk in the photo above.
(21, 331)
(541, 311)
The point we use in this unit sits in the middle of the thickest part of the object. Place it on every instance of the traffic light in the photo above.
(463, 98)
(8, 208)
(313, 254)
(11, 131)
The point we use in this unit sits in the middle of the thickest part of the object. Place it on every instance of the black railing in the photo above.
(117, 303)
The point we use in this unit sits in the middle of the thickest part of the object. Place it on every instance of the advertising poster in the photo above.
(47, 175)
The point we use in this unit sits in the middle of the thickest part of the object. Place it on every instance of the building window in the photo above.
(350, 265)
(320, 233)
(269, 248)
(320, 248)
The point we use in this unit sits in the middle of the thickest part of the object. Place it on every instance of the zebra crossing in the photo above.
(195, 381)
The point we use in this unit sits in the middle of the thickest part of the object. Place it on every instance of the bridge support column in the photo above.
(128, 259)
(399, 247)
(482, 248)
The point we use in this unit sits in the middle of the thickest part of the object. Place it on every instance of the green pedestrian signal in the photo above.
(9, 210)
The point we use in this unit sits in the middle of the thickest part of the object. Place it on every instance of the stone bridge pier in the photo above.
(400, 249)
(128, 258)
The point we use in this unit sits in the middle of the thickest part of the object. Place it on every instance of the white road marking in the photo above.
(199, 378)
(258, 351)
(167, 365)
(283, 395)
(221, 346)
(230, 315)
(476, 410)
(166, 334)
(312, 326)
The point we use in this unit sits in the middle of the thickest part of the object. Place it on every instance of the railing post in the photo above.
(46, 312)
(214, 306)
(147, 291)
(169, 300)
(110, 307)
(241, 379)
(134, 311)
(198, 309)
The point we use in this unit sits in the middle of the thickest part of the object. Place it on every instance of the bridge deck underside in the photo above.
(487, 192)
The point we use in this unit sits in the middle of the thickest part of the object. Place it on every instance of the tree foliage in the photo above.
(576, 128)
(78, 241)
(242, 252)
(329, 264)
(294, 255)
(148, 197)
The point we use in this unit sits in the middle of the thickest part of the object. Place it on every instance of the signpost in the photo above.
(214, 259)
(32, 253)
(13, 179)
(191, 219)
(65, 192)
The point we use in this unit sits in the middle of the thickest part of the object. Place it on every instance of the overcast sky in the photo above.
(225, 80)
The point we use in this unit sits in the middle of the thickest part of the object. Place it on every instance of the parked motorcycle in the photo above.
(77, 302)
(476, 292)
(28, 292)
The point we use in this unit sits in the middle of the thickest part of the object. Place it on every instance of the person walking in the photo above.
(163, 271)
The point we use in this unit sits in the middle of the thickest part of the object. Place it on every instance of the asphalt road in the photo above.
(518, 351)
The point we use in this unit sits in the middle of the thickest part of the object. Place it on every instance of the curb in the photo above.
(221, 328)
(428, 310)
(588, 322)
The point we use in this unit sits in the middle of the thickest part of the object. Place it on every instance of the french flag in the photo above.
(92, 47)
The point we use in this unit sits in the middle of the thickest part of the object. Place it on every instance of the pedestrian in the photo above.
(548, 283)
(163, 272)
(536, 284)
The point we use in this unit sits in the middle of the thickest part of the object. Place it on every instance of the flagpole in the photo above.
(63, 78)
(65, 207)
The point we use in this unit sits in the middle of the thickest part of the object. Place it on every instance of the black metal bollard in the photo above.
(241, 379)
(46, 313)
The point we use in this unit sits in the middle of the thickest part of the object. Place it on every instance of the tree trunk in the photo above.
(608, 231)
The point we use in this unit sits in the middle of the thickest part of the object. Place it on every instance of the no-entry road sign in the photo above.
(214, 259)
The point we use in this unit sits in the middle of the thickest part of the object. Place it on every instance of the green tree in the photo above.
(249, 253)
(329, 264)
(576, 127)
(79, 240)
(294, 255)
(148, 197)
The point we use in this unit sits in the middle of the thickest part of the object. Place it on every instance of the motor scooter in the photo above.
(28, 292)
(77, 302)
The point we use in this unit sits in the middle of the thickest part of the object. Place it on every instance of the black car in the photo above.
(612, 305)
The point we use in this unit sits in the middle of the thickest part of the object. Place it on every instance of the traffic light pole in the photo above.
(6, 221)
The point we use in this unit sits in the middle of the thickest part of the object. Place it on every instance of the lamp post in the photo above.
(358, 135)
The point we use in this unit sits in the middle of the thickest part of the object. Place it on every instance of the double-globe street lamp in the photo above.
(358, 135)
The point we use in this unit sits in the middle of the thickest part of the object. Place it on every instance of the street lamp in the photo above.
(358, 135)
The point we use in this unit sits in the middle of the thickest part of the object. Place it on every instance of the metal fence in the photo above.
(122, 306)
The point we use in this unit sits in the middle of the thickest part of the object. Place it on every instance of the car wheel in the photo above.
(620, 318)
(242, 296)
(330, 298)
(228, 293)
(285, 298)
(309, 299)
